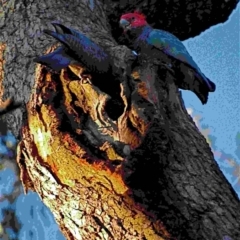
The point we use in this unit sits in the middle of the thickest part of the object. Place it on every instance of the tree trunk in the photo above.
(135, 167)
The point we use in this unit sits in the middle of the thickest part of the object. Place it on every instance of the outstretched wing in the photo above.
(173, 47)
(84, 50)
(61, 29)
(56, 60)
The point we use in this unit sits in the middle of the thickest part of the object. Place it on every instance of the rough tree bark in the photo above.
(144, 173)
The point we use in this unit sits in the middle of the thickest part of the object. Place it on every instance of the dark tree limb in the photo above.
(131, 169)
(185, 19)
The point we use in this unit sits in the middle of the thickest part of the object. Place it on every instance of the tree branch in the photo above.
(185, 19)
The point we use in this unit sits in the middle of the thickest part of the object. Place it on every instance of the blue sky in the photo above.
(216, 51)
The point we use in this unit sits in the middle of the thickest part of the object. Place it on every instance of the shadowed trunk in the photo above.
(134, 167)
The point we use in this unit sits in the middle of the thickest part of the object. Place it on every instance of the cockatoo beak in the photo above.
(125, 25)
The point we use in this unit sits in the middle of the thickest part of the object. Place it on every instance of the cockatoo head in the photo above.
(131, 21)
